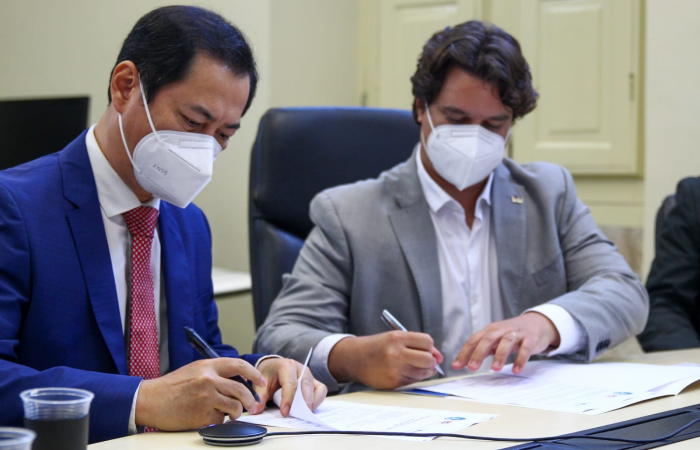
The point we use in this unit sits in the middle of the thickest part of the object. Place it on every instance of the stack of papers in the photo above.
(577, 388)
(348, 416)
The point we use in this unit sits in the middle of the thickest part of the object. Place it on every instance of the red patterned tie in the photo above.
(144, 358)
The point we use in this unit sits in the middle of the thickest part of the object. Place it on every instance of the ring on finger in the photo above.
(515, 335)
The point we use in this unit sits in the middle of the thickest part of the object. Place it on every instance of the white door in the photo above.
(584, 59)
(404, 26)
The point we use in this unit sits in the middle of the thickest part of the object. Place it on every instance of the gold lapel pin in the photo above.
(516, 200)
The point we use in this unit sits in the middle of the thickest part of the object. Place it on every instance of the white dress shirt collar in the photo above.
(437, 198)
(114, 195)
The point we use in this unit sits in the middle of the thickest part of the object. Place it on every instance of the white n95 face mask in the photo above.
(172, 165)
(463, 155)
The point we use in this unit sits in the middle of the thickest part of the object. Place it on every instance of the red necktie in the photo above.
(144, 358)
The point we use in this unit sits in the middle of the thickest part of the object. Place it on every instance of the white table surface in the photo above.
(511, 421)
(230, 281)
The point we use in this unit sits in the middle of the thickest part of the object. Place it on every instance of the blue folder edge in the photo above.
(424, 392)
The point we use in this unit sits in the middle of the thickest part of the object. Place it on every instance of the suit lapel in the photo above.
(90, 241)
(509, 226)
(178, 291)
(416, 235)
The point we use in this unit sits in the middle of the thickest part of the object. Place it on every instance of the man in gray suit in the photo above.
(481, 257)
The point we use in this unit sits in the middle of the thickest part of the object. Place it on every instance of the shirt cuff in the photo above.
(319, 360)
(132, 416)
(257, 363)
(571, 333)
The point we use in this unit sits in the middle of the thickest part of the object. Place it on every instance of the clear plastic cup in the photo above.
(16, 438)
(59, 416)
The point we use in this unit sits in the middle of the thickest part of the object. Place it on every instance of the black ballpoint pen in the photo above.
(205, 350)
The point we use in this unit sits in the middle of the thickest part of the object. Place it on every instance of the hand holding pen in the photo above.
(276, 373)
(198, 394)
(394, 324)
(206, 351)
(384, 360)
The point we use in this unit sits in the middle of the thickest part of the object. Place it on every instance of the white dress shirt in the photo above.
(116, 198)
(471, 295)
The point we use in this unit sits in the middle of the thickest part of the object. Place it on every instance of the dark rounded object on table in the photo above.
(231, 434)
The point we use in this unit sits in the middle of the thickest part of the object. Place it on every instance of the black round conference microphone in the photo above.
(232, 434)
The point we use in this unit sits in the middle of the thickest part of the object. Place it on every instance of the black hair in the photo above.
(164, 42)
(484, 51)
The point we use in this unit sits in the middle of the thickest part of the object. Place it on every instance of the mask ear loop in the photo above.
(505, 144)
(121, 127)
(430, 121)
(126, 147)
(148, 113)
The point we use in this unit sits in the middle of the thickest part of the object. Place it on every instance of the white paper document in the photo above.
(348, 416)
(577, 388)
(611, 376)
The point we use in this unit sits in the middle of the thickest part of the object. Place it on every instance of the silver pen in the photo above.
(394, 324)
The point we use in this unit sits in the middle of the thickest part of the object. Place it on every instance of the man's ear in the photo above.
(124, 85)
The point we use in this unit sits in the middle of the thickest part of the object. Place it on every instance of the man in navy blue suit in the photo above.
(104, 260)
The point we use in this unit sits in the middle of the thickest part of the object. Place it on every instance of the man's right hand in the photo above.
(384, 361)
(197, 395)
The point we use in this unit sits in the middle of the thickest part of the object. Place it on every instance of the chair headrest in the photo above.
(301, 151)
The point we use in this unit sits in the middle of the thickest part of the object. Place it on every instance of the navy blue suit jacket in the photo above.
(59, 316)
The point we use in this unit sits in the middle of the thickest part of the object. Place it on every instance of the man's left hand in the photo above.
(526, 335)
(284, 373)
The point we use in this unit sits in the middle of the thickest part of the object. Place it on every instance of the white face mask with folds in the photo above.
(172, 165)
(463, 155)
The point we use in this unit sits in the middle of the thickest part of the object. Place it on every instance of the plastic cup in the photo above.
(16, 438)
(59, 416)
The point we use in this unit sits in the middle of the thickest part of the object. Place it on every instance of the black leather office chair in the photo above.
(298, 153)
(666, 206)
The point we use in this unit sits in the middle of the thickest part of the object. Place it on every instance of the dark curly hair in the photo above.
(484, 51)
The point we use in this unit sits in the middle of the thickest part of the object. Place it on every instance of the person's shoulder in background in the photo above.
(674, 279)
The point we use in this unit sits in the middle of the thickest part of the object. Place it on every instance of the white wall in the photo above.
(314, 56)
(53, 48)
(672, 97)
(62, 48)
(310, 49)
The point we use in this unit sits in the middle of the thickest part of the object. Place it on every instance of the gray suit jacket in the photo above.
(374, 247)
